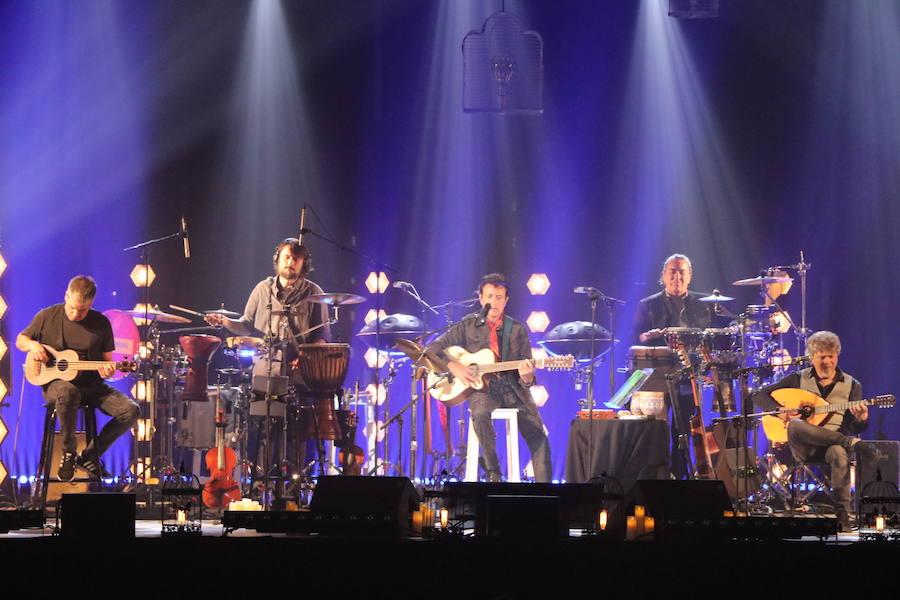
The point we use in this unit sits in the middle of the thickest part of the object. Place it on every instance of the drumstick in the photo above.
(186, 310)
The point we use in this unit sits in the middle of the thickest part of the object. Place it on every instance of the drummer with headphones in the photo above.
(277, 311)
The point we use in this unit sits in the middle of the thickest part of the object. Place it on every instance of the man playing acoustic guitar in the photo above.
(508, 339)
(833, 440)
(72, 325)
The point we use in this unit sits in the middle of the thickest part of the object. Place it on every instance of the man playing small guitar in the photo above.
(508, 339)
(832, 441)
(73, 325)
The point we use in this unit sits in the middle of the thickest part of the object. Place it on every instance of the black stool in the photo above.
(89, 420)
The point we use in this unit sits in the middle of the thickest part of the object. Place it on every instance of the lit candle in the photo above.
(417, 521)
(639, 511)
(879, 523)
(602, 519)
(445, 518)
(631, 527)
(182, 517)
(649, 524)
(728, 513)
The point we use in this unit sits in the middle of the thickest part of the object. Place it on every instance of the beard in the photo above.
(289, 275)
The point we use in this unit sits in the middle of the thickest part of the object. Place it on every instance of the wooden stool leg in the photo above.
(512, 447)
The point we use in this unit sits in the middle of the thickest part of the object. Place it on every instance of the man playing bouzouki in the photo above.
(833, 441)
(73, 325)
(508, 339)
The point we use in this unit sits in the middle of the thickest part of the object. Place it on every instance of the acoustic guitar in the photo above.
(452, 391)
(812, 409)
(65, 365)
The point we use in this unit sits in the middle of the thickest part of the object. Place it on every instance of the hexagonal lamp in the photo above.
(3, 348)
(377, 283)
(539, 354)
(378, 394)
(3, 307)
(375, 359)
(370, 316)
(538, 284)
(538, 321)
(539, 394)
(142, 275)
(2, 264)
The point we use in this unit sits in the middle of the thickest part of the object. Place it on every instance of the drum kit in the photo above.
(181, 384)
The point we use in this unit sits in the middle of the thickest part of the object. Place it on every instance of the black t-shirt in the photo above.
(90, 338)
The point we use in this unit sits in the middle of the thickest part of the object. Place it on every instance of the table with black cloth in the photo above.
(625, 449)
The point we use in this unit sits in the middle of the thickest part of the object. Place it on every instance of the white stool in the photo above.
(511, 416)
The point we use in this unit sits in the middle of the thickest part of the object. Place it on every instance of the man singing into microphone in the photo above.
(508, 339)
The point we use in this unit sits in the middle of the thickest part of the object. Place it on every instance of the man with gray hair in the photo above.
(833, 441)
(74, 325)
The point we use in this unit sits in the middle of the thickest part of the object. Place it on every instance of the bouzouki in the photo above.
(65, 365)
(812, 409)
(452, 391)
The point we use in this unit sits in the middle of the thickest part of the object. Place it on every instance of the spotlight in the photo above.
(378, 394)
(370, 316)
(694, 9)
(3, 348)
(377, 283)
(538, 321)
(538, 284)
(375, 359)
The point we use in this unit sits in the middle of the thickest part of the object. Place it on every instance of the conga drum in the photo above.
(199, 349)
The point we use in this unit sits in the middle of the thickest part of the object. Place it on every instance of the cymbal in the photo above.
(715, 298)
(154, 314)
(419, 356)
(763, 280)
(224, 312)
(335, 298)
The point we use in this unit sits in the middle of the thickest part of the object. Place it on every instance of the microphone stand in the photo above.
(379, 267)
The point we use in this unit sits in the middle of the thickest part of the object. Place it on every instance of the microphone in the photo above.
(402, 284)
(184, 238)
(482, 316)
(302, 225)
(582, 289)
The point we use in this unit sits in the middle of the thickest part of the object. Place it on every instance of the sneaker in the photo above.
(66, 470)
(92, 465)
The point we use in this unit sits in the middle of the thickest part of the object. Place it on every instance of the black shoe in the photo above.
(66, 470)
(92, 465)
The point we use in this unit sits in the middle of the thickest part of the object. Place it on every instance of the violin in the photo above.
(221, 489)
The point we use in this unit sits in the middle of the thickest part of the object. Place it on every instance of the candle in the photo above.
(649, 524)
(879, 523)
(445, 518)
(631, 527)
(639, 511)
(182, 517)
(603, 519)
(417, 521)
(728, 513)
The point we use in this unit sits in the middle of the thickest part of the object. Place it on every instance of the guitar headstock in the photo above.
(556, 363)
(127, 366)
(884, 401)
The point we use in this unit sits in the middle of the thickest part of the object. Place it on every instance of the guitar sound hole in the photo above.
(62, 365)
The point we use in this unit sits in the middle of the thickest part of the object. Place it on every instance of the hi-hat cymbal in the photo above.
(715, 298)
(335, 298)
(763, 280)
(154, 314)
(224, 312)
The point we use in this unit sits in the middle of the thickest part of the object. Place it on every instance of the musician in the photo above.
(277, 309)
(675, 306)
(833, 441)
(74, 325)
(508, 339)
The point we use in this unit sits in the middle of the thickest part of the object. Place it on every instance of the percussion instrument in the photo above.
(154, 314)
(199, 349)
(722, 345)
(323, 367)
(574, 337)
(335, 299)
(761, 280)
(687, 338)
(650, 357)
(390, 329)
(127, 338)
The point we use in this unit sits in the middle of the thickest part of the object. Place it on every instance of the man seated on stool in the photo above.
(73, 325)
(508, 339)
(832, 442)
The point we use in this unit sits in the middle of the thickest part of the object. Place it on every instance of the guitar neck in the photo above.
(508, 365)
(842, 406)
(89, 365)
